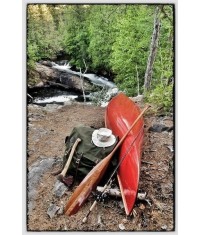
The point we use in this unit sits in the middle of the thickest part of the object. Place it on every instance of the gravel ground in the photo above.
(47, 129)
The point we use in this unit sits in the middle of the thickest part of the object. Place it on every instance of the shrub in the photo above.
(161, 97)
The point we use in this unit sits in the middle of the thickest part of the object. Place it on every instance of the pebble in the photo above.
(121, 227)
(61, 210)
(170, 147)
(141, 196)
(142, 206)
(164, 227)
(59, 189)
(158, 128)
(121, 205)
(52, 210)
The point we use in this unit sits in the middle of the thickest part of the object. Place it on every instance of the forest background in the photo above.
(131, 44)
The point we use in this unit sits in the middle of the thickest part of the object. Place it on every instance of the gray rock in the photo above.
(59, 189)
(158, 128)
(121, 205)
(138, 98)
(61, 210)
(52, 210)
(36, 170)
(52, 107)
(141, 195)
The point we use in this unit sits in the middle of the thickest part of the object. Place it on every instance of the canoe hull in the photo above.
(121, 112)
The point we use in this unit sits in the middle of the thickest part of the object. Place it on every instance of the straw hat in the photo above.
(103, 137)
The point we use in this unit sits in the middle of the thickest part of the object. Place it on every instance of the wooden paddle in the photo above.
(90, 182)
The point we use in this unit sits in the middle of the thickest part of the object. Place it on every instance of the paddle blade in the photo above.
(88, 184)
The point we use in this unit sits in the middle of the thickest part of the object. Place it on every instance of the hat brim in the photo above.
(110, 141)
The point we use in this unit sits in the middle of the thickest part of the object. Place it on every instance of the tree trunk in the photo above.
(153, 49)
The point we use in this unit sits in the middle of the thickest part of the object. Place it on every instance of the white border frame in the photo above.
(24, 191)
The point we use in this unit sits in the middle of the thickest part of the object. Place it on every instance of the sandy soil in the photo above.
(47, 129)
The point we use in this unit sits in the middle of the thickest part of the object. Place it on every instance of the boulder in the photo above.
(44, 74)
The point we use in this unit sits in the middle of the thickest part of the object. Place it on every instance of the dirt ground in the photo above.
(46, 132)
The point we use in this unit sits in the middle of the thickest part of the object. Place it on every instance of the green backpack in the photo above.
(86, 154)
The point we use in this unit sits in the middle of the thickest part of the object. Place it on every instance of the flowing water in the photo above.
(48, 95)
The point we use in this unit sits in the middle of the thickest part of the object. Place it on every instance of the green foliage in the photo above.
(111, 38)
(130, 48)
(161, 97)
(100, 97)
(32, 51)
(163, 66)
(76, 34)
(102, 35)
(160, 94)
(42, 36)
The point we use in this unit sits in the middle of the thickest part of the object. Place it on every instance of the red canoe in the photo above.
(120, 114)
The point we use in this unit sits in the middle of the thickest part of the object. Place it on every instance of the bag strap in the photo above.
(77, 166)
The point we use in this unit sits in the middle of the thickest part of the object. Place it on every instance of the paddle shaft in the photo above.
(116, 147)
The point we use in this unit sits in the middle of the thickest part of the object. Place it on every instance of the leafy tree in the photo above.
(76, 34)
(112, 38)
(161, 97)
(162, 87)
(163, 68)
(102, 35)
(42, 36)
(130, 49)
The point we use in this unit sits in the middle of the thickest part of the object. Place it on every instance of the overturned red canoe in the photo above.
(120, 114)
